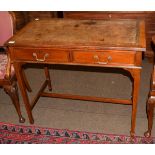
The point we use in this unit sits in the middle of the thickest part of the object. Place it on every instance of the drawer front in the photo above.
(105, 58)
(40, 55)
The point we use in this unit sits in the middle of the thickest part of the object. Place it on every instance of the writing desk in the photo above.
(102, 43)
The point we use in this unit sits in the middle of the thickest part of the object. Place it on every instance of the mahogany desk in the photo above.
(102, 43)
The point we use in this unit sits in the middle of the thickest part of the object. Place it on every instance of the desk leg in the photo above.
(150, 109)
(26, 82)
(12, 91)
(136, 83)
(47, 74)
(20, 79)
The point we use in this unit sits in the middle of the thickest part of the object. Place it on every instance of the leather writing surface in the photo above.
(109, 33)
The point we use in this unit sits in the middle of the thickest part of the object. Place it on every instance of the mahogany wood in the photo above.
(36, 98)
(26, 82)
(9, 84)
(151, 100)
(48, 78)
(86, 98)
(20, 21)
(148, 16)
(23, 17)
(11, 90)
(31, 15)
(102, 43)
(18, 70)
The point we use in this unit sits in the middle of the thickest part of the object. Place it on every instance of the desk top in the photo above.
(103, 34)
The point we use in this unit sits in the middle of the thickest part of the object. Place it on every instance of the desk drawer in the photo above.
(104, 58)
(40, 55)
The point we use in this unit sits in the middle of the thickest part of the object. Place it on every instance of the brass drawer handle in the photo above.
(97, 60)
(96, 57)
(40, 60)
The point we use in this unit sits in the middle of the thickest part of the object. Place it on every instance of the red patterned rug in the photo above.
(19, 134)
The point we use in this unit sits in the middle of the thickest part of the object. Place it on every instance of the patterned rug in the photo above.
(19, 134)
